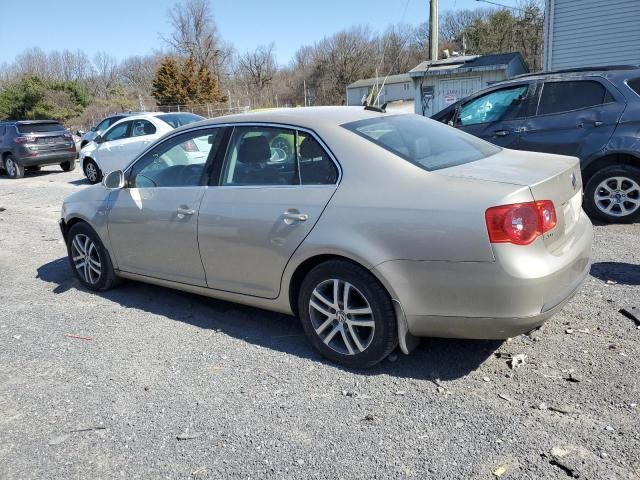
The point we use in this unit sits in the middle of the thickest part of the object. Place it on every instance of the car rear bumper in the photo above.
(49, 158)
(490, 300)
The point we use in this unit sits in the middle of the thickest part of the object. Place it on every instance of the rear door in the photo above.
(497, 116)
(574, 117)
(272, 188)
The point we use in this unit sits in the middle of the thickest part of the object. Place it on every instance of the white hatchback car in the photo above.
(125, 139)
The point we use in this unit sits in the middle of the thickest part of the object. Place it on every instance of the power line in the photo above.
(502, 5)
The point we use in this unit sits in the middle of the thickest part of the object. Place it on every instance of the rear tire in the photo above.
(89, 260)
(612, 195)
(68, 166)
(92, 171)
(13, 169)
(356, 333)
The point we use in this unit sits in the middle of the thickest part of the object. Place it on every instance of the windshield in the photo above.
(426, 143)
(39, 127)
(179, 119)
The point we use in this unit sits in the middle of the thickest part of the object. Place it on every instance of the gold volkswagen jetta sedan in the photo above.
(373, 228)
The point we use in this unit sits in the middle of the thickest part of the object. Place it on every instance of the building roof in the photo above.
(467, 63)
(369, 82)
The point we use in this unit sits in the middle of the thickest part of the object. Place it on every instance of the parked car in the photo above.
(121, 142)
(31, 144)
(376, 229)
(102, 126)
(593, 114)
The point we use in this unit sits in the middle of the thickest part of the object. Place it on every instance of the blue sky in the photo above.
(133, 27)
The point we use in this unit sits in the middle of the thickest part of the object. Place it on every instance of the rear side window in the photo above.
(179, 119)
(567, 96)
(423, 142)
(39, 127)
(140, 128)
(635, 85)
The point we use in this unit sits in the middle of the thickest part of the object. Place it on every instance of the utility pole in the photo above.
(433, 30)
(304, 86)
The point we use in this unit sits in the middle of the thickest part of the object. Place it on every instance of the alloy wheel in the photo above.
(11, 167)
(617, 196)
(342, 317)
(91, 171)
(86, 259)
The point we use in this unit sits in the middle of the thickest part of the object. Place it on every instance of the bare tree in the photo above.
(256, 70)
(106, 75)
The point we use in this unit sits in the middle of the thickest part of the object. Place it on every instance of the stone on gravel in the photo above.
(517, 361)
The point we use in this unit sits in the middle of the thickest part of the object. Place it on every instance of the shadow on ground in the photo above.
(619, 272)
(433, 359)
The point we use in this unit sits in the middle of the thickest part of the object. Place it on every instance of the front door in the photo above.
(496, 116)
(575, 117)
(153, 221)
(272, 189)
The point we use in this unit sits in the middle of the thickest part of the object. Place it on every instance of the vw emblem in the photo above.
(574, 180)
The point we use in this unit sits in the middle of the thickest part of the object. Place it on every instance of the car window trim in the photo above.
(544, 82)
(204, 177)
(502, 87)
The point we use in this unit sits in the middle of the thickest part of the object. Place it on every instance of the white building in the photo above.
(591, 33)
(439, 83)
(397, 88)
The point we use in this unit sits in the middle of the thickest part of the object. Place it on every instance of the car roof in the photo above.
(305, 117)
(610, 72)
(29, 122)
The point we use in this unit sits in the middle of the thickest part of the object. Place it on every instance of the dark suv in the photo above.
(31, 144)
(592, 114)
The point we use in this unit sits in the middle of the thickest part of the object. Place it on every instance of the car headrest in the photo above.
(254, 150)
(309, 148)
(421, 147)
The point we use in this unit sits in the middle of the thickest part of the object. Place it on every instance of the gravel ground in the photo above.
(163, 384)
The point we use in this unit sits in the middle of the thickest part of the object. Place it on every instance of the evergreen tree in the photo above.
(168, 85)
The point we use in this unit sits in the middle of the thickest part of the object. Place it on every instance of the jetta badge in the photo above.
(574, 180)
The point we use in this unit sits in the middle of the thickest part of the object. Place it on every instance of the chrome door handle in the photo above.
(298, 217)
(598, 123)
(185, 211)
(501, 133)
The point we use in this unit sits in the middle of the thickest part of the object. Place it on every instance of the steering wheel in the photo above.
(283, 149)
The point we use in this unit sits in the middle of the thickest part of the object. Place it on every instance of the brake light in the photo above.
(520, 223)
(24, 139)
(190, 146)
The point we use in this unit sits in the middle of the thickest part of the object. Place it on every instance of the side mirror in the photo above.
(98, 139)
(114, 180)
(80, 132)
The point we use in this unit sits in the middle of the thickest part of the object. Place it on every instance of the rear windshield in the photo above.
(426, 143)
(39, 127)
(179, 119)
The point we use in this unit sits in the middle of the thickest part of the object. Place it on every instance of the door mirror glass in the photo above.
(114, 180)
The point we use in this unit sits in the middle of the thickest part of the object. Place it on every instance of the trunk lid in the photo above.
(549, 177)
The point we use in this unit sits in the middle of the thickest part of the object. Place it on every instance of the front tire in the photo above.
(13, 169)
(347, 314)
(68, 166)
(89, 259)
(92, 171)
(612, 195)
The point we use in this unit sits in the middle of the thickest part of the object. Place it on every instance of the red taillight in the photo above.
(24, 139)
(190, 146)
(520, 223)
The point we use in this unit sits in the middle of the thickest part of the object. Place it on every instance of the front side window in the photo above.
(177, 162)
(567, 96)
(423, 142)
(140, 128)
(118, 132)
(495, 106)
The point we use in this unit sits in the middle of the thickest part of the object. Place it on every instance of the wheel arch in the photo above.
(610, 159)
